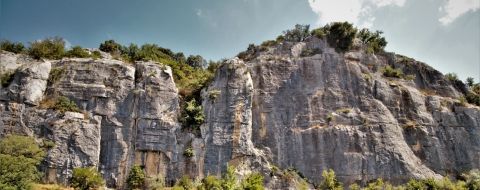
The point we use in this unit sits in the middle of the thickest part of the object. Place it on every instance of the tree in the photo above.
(77, 51)
(19, 158)
(254, 181)
(341, 35)
(374, 41)
(112, 47)
(193, 115)
(86, 179)
(136, 178)
(49, 48)
(452, 77)
(330, 182)
(210, 183)
(470, 81)
(229, 180)
(14, 47)
(196, 61)
(298, 34)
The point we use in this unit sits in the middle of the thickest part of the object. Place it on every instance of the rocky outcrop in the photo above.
(301, 106)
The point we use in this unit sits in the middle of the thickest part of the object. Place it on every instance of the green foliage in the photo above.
(112, 47)
(472, 179)
(19, 158)
(136, 178)
(6, 78)
(86, 179)
(192, 115)
(341, 35)
(388, 71)
(374, 41)
(354, 187)
(213, 94)
(185, 183)
(329, 117)
(77, 51)
(330, 182)
(298, 34)
(319, 33)
(210, 183)
(49, 48)
(63, 104)
(268, 43)
(196, 61)
(452, 77)
(55, 74)
(473, 98)
(156, 182)
(249, 53)
(14, 47)
(96, 55)
(253, 181)
(470, 82)
(188, 152)
(229, 180)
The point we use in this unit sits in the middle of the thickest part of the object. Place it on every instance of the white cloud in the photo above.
(199, 12)
(455, 8)
(358, 12)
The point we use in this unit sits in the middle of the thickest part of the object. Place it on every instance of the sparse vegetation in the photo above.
(452, 77)
(388, 71)
(55, 75)
(6, 78)
(184, 183)
(329, 117)
(156, 182)
(86, 179)
(136, 178)
(63, 104)
(319, 33)
(188, 152)
(213, 94)
(77, 51)
(14, 47)
(344, 110)
(229, 180)
(330, 181)
(306, 52)
(253, 181)
(210, 182)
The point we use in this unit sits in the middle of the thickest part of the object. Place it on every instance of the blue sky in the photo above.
(443, 33)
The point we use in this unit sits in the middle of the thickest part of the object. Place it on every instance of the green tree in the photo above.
(254, 181)
(78, 51)
(298, 34)
(473, 179)
(86, 179)
(112, 47)
(136, 178)
(470, 81)
(196, 61)
(374, 41)
(49, 48)
(211, 183)
(185, 182)
(14, 47)
(341, 35)
(193, 115)
(330, 181)
(19, 158)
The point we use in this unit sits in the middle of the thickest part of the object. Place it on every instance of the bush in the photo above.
(341, 35)
(188, 152)
(14, 47)
(319, 33)
(472, 179)
(112, 47)
(19, 158)
(86, 179)
(55, 74)
(49, 48)
(6, 78)
(185, 182)
(210, 183)
(136, 178)
(96, 55)
(470, 82)
(192, 115)
(268, 43)
(330, 182)
(78, 51)
(388, 71)
(196, 61)
(63, 104)
(229, 180)
(473, 98)
(374, 41)
(156, 182)
(298, 34)
(452, 77)
(254, 181)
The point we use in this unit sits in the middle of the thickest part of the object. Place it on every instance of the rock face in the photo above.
(285, 108)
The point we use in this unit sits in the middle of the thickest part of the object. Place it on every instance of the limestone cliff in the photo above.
(282, 107)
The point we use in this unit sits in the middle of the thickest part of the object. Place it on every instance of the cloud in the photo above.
(455, 8)
(358, 12)
(199, 12)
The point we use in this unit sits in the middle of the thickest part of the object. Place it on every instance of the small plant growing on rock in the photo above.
(409, 77)
(254, 181)
(213, 94)
(63, 104)
(6, 79)
(344, 110)
(55, 75)
(330, 181)
(136, 178)
(329, 117)
(192, 115)
(188, 152)
(388, 71)
(86, 179)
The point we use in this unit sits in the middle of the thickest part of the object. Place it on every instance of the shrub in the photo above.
(470, 81)
(329, 117)
(156, 182)
(319, 33)
(344, 110)
(298, 34)
(49, 48)
(78, 51)
(409, 77)
(388, 71)
(341, 35)
(196, 61)
(188, 152)
(374, 41)
(14, 47)
(254, 181)
(213, 94)
(268, 43)
(185, 182)
(306, 52)
(19, 158)
(473, 98)
(452, 77)
(6, 78)
(210, 183)
(330, 182)
(86, 179)
(96, 55)
(63, 104)
(136, 178)
(112, 47)
(55, 75)
(192, 115)
(229, 180)
(472, 179)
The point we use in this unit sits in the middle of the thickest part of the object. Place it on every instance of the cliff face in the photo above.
(283, 108)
